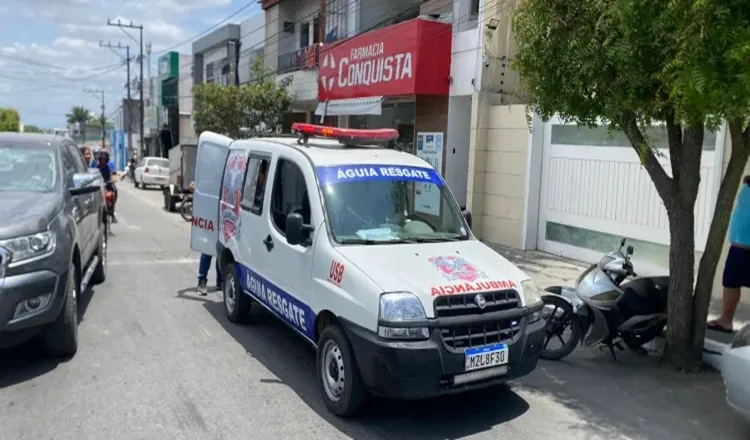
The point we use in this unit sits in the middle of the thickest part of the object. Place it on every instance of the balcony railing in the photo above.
(300, 59)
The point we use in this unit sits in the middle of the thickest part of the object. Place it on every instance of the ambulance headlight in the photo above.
(401, 316)
(532, 296)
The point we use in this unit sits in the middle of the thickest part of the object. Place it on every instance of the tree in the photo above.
(258, 105)
(634, 62)
(32, 129)
(9, 120)
(81, 116)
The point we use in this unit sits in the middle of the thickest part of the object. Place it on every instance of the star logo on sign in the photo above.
(329, 63)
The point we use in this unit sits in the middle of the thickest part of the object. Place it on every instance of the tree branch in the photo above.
(662, 181)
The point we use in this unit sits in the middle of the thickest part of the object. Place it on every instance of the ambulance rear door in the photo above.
(213, 150)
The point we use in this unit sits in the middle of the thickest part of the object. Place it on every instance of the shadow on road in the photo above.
(633, 398)
(27, 361)
(292, 360)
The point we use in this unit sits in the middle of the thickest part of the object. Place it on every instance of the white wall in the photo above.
(457, 144)
(464, 59)
(252, 39)
(185, 86)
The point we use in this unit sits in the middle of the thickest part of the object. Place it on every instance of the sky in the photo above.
(50, 52)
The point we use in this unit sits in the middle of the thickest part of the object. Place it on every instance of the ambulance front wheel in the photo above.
(339, 378)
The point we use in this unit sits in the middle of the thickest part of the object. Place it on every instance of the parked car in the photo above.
(53, 239)
(325, 232)
(152, 171)
(735, 370)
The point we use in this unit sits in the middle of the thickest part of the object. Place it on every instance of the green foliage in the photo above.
(630, 63)
(32, 129)
(589, 59)
(9, 120)
(79, 115)
(257, 106)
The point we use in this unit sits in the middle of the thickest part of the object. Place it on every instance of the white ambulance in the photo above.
(324, 231)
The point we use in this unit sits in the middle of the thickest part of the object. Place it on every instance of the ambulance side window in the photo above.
(255, 184)
(289, 194)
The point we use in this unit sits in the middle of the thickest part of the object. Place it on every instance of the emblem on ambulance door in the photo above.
(456, 268)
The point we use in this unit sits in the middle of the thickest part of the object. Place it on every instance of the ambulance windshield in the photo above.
(372, 204)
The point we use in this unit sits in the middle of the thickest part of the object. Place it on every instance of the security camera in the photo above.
(486, 61)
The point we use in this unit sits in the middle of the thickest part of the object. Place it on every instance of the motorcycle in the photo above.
(109, 197)
(186, 210)
(610, 305)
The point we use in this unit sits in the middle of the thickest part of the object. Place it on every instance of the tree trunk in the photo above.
(681, 275)
(716, 234)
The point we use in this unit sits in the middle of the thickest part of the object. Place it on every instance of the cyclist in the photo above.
(107, 168)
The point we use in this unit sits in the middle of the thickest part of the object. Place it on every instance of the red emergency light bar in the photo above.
(346, 134)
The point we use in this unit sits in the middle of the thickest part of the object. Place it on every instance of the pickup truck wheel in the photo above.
(237, 304)
(338, 375)
(100, 273)
(60, 338)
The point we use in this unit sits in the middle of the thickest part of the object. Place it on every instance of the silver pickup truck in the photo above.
(53, 239)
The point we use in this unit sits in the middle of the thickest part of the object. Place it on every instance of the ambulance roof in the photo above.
(331, 152)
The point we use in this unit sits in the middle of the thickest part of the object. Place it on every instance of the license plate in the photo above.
(485, 357)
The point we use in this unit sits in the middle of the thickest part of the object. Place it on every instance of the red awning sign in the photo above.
(388, 62)
(367, 66)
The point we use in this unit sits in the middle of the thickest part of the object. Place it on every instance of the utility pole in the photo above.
(130, 102)
(102, 120)
(130, 25)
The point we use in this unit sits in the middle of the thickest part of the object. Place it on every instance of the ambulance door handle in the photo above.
(269, 243)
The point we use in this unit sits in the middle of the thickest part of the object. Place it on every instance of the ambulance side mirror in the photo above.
(467, 216)
(297, 233)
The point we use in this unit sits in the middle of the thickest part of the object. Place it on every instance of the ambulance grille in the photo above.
(478, 335)
(460, 305)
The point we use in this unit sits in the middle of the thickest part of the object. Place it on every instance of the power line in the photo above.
(200, 34)
(62, 83)
(102, 119)
(130, 25)
(129, 101)
(465, 18)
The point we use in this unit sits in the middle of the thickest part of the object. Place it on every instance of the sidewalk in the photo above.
(549, 270)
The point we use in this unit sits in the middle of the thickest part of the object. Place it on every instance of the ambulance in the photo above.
(328, 231)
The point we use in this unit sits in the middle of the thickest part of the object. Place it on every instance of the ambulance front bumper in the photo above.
(428, 368)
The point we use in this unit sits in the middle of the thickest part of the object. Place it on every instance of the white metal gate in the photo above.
(594, 191)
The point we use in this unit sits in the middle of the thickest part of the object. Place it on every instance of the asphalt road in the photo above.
(158, 362)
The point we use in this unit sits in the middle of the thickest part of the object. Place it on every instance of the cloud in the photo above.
(44, 78)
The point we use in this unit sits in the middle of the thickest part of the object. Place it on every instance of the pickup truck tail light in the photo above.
(146, 170)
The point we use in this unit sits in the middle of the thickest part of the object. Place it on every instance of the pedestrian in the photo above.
(87, 157)
(737, 268)
(203, 267)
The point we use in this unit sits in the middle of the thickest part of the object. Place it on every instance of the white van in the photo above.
(322, 231)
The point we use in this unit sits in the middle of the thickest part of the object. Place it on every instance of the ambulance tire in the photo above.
(236, 302)
(354, 394)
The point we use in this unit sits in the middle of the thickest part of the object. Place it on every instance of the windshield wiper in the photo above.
(371, 241)
(434, 239)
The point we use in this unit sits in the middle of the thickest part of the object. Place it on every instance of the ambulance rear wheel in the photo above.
(236, 302)
(339, 378)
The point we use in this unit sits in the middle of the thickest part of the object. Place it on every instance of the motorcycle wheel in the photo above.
(558, 314)
(186, 211)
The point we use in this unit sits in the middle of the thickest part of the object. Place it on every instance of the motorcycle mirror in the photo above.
(622, 243)
(630, 250)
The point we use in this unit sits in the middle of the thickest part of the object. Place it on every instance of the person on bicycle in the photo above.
(107, 168)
